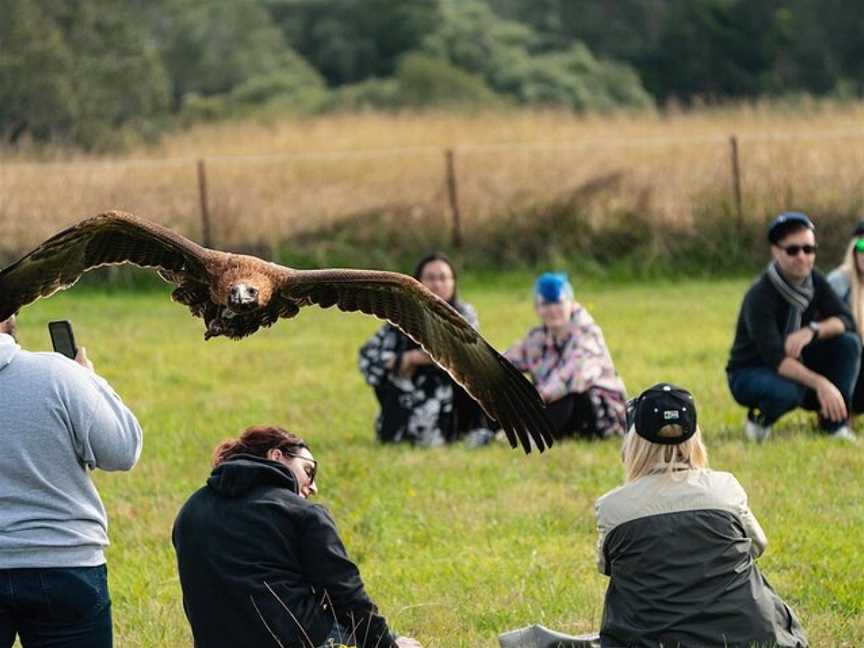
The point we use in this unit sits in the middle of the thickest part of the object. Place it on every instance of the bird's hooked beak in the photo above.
(242, 297)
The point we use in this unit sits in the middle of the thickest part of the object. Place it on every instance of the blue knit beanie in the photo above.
(553, 287)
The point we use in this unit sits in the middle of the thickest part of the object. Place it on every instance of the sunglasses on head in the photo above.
(793, 250)
(311, 473)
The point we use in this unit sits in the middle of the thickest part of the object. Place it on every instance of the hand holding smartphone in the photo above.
(62, 338)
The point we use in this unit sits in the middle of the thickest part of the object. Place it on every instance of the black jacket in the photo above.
(258, 561)
(760, 336)
(680, 551)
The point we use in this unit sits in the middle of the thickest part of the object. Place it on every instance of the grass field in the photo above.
(454, 545)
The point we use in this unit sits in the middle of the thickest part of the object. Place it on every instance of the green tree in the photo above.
(352, 40)
(624, 30)
(78, 72)
(711, 48)
(472, 37)
(714, 49)
(820, 46)
(35, 73)
(211, 48)
(511, 58)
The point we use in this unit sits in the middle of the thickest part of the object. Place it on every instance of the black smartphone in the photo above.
(62, 338)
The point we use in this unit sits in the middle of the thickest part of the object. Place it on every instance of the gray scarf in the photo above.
(798, 297)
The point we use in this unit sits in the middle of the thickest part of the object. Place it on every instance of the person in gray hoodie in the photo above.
(58, 422)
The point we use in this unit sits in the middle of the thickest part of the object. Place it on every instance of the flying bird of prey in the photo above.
(236, 294)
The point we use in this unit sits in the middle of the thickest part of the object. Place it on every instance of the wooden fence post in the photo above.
(454, 200)
(736, 182)
(205, 214)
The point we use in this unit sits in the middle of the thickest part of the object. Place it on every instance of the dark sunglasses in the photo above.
(313, 473)
(793, 250)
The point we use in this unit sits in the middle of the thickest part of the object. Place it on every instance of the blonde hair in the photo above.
(856, 303)
(642, 457)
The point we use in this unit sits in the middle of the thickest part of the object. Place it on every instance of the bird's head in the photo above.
(248, 294)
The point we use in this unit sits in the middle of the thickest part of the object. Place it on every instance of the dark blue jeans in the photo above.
(58, 607)
(762, 388)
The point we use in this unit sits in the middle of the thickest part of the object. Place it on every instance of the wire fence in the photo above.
(261, 201)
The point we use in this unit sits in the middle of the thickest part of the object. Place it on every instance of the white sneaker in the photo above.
(844, 434)
(430, 438)
(753, 431)
(478, 437)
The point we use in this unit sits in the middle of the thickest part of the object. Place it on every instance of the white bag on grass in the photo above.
(537, 636)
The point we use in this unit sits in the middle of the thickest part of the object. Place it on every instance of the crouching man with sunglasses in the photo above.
(795, 341)
(260, 565)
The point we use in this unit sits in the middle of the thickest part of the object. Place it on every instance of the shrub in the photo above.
(197, 108)
(575, 78)
(298, 90)
(382, 94)
(425, 81)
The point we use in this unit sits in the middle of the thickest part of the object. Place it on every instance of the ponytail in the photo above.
(258, 441)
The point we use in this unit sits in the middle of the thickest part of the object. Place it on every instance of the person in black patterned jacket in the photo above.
(419, 401)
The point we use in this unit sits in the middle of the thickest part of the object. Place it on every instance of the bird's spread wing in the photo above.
(503, 392)
(110, 238)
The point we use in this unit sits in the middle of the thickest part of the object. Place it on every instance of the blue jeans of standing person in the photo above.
(57, 607)
(762, 388)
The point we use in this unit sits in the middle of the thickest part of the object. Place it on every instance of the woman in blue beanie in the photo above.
(570, 364)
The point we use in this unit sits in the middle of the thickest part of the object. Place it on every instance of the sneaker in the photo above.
(755, 431)
(479, 437)
(844, 434)
(430, 438)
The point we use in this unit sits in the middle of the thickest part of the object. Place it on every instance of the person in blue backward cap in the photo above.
(567, 358)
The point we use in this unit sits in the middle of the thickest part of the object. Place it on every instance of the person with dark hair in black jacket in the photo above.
(260, 565)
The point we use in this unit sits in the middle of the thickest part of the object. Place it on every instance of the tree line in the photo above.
(93, 72)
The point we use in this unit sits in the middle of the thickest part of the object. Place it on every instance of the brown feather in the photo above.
(207, 277)
(502, 391)
(107, 239)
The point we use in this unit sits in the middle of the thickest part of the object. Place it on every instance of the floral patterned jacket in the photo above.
(581, 362)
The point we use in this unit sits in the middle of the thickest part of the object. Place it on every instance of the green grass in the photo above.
(455, 546)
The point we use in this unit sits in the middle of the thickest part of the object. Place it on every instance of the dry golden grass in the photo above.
(270, 179)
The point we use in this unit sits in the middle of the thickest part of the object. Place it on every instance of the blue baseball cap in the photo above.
(553, 287)
(786, 222)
